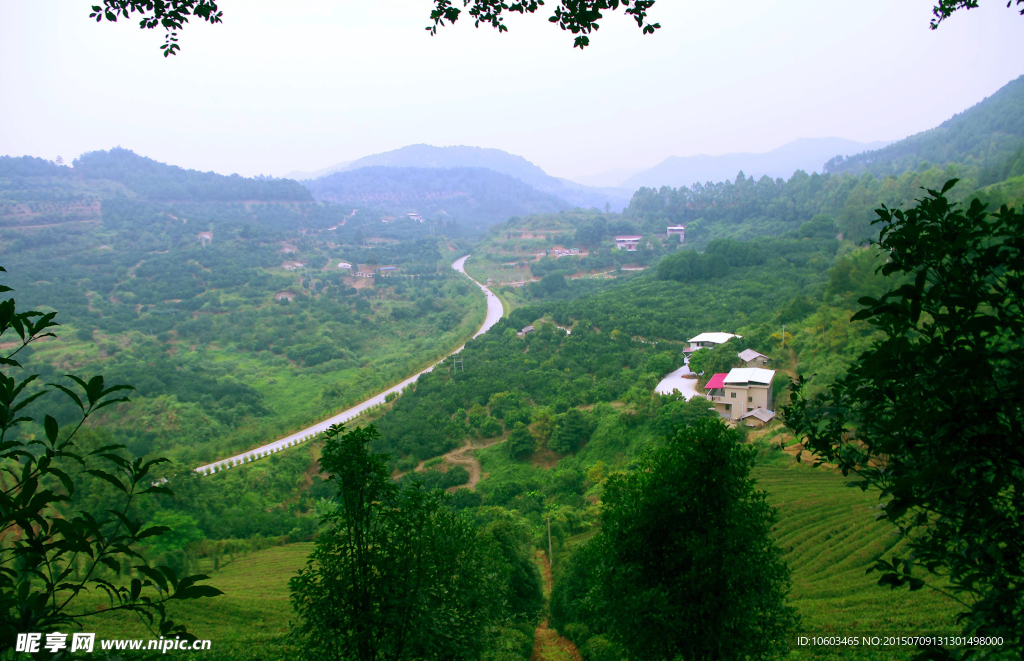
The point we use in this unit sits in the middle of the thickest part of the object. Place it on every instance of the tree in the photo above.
(571, 430)
(51, 553)
(945, 8)
(685, 566)
(931, 414)
(396, 574)
(520, 442)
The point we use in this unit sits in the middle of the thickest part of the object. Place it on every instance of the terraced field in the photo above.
(829, 537)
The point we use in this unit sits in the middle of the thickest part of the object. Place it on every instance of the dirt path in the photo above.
(464, 457)
(548, 645)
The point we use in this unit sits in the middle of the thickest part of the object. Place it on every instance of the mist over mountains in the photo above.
(807, 154)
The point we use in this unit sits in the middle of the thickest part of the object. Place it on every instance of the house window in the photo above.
(750, 399)
(728, 407)
(733, 395)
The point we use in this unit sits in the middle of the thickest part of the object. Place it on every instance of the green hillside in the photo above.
(220, 298)
(984, 135)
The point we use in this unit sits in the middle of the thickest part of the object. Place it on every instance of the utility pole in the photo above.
(783, 336)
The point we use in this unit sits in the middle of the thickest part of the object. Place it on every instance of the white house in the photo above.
(628, 243)
(344, 265)
(673, 230)
(743, 390)
(707, 340)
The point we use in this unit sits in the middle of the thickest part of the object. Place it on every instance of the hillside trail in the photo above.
(548, 645)
(461, 457)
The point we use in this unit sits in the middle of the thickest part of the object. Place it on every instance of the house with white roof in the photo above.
(708, 340)
(743, 390)
(628, 242)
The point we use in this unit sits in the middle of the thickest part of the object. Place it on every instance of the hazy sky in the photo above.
(288, 85)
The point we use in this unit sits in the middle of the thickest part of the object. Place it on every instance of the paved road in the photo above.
(494, 313)
(675, 381)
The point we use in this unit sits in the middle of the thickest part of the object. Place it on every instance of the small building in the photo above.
(344, 265)
(707, 340)
(758, 417)
(528, 329)
(386, 268)
(415, 216)
(741, 391)
(282, 295)
(676, 230)
(752, 358)
(628, 243)
(205, 237)
(291, 266)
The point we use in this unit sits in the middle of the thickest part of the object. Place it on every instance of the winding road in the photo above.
(494, 313)
(682, 380)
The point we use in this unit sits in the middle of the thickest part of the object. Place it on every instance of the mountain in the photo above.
(805, 154)
(985, 133)
(461, 156)
(474, 194)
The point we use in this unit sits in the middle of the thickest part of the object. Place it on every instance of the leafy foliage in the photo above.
(577, 16)
(684, 565)
(51, 553)
(397, 575)
(169, 14)
(930, 413)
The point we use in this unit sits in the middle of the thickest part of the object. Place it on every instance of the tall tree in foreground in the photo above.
(933, 414)
(397, 575)
(685, 566)
(50, 554)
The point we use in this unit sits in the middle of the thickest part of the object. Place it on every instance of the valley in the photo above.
(512, 353)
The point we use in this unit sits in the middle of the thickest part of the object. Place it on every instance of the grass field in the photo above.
(825, 529)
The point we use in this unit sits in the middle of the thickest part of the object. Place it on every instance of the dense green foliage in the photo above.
(684, 565)
(50, 553)
(934, 406)
(396, 575)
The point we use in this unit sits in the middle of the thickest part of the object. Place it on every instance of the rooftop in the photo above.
(716, 338)
(748, 355)
(629, 237)
(764, 415)
(716, 382)
(750, 375)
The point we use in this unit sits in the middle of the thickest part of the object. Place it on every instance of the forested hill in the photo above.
(148, 179)
(161, 182)
(986, 134)
(479, 195)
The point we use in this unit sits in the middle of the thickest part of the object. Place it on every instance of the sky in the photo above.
(304, 84)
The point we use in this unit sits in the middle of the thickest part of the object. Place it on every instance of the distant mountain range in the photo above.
(807, 154)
